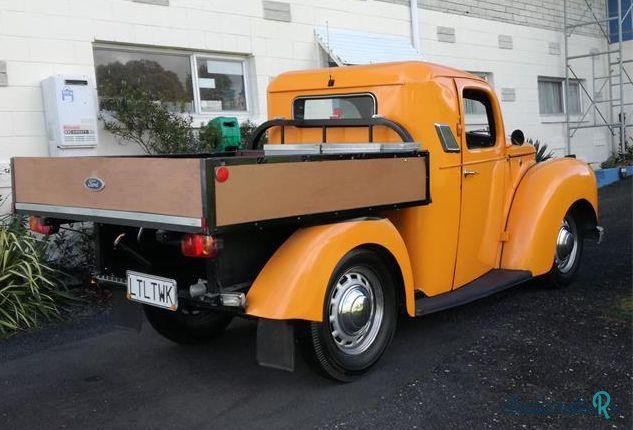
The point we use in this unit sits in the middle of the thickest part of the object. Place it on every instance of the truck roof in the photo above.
(364, 76)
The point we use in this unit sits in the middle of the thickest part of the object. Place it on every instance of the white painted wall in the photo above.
(477, 49)
(39, 38)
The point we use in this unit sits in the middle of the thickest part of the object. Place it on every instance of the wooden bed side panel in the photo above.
(257, 192)
(168, 186)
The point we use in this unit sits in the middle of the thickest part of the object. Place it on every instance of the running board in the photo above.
(492, 282)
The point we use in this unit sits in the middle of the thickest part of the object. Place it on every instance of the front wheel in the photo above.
(187, 326)
(359, 318)
(569, 243)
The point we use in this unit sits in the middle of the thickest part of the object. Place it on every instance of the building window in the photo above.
(550, 96)
(573, 101)
(221, 85)
(471, 107)
(627, 20)
(181, 81)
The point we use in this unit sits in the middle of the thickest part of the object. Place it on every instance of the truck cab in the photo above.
(382, 189)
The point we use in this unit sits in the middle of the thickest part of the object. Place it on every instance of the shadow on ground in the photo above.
(462, 368)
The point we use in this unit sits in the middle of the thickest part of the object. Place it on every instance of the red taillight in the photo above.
(198, 245)
(38, 225)
(222, 174)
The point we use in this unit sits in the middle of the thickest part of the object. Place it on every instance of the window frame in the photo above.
(487, 77)
(192, 54)
(196, 90)
(564, 95)
(331, 96)
(490, 118)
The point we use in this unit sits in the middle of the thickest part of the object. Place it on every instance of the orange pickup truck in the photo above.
(384, 189)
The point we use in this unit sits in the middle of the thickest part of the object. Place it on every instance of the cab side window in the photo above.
(478, 119)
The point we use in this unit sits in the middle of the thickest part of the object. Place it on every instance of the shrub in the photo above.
(542, 152)
(209, 138)
(134, 116)
(247, 130)
(29, 289)
(619, 158)
(73, 250)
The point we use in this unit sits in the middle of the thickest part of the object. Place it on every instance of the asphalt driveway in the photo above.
(530, 357)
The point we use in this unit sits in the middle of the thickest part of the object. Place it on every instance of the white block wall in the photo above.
(477, 49)
(39, 38)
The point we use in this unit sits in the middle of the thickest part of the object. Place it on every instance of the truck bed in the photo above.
(183, 194)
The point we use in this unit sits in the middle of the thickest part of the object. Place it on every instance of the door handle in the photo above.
(468, 173)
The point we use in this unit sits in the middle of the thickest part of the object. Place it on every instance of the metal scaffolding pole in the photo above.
(609, 112)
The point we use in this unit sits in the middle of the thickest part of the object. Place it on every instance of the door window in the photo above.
(478, 119)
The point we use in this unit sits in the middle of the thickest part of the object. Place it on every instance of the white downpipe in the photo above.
(415, 25)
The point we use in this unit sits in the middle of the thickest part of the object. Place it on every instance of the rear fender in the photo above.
(292, 285)
(546, 192)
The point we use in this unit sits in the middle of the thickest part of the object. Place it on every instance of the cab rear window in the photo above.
(361, 106)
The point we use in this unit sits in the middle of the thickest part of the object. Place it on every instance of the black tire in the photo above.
(563, 276)
(330, 356)
(187, 327)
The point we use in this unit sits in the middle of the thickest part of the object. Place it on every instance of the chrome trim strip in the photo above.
(338, 148)
(447, 138)
(106, 213)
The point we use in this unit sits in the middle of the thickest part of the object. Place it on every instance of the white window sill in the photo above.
(560, 119)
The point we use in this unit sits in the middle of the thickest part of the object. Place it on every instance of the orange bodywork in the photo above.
(542, 199)
(472, 225)
(293, 283)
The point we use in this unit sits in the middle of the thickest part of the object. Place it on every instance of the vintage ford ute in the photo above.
(383, 190)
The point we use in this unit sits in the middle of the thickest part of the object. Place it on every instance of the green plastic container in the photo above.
(229, 128)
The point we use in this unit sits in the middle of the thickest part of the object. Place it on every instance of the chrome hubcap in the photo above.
(355, 311)
(566, 246)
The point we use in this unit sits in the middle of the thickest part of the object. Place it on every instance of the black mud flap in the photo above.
(126, 314)
(276, 344)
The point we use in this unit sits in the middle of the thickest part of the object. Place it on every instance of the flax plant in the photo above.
(30, 290)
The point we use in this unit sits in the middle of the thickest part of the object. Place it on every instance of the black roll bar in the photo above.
(324, 124)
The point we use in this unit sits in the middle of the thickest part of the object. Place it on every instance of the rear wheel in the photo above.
(187, 326)
(569, 243)
(359, 318)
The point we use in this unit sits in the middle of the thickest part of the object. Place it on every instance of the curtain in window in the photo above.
(550, 97)
(573, 100)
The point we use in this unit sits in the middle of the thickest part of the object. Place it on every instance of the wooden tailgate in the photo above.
(167, 187)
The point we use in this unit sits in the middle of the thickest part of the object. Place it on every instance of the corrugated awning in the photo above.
(348, 47)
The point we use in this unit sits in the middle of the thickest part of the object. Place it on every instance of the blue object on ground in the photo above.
(609, 176)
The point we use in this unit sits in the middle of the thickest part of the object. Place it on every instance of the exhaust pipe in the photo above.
(234, 300)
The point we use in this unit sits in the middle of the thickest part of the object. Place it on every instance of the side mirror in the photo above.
(517, 137)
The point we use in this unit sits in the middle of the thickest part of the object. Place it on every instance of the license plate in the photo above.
(152, 290)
